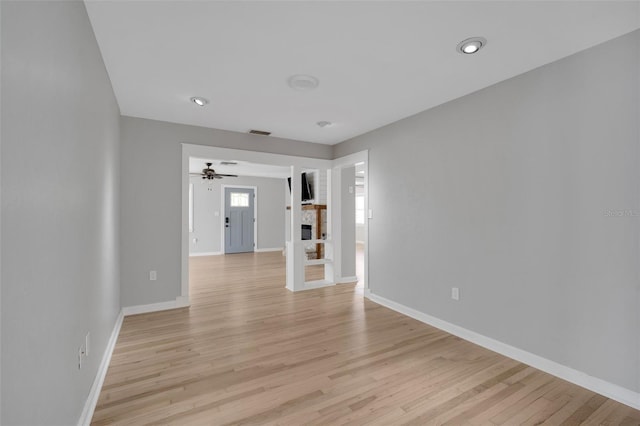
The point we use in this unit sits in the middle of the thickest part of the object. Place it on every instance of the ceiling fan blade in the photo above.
(220, 174)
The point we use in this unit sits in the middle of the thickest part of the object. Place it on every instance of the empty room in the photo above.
(319, 212)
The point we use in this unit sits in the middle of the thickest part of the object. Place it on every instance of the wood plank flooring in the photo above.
(250, 352)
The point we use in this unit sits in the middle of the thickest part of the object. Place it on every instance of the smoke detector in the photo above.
(303, 82)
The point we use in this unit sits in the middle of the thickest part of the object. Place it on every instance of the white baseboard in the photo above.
(94, 393)
(347, 280)
(309, 285)
(206, 253)
(219, 253)
(180, 302)
(610, 390)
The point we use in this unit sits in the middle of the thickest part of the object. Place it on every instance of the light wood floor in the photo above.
(250, 352)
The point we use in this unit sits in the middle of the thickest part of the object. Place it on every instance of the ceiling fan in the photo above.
(210, 174)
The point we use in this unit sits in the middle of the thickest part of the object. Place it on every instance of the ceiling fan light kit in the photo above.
(209, 174)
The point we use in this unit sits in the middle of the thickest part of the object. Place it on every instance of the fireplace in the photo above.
(306, 232)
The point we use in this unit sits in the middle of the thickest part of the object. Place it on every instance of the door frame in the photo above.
(339, 164)
(206, 151)
(223, 209)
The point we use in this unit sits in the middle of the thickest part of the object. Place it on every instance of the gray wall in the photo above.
(207, 201)
(505, 193)
(348, 221)
(59, 167)
(151, 214)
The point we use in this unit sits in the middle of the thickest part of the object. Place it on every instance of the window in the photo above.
(239, 199)
(360, 209)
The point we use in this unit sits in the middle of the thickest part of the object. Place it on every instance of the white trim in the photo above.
(264, 250)
(317, 261)
(184, 246)
(96, 387)
(344, 280)
(337, 164)
(335, 211)
(223, 203)
(351, 159)
(310, 285)
(205, 151)
(318, 241)
(191, 204)
(206, 253)
(607, 389)
(180, 302)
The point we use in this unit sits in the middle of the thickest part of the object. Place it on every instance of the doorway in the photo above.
(239, 220)
(262, 164)
(360, 215)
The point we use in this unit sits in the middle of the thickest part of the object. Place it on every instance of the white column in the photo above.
(329, 269)
(295, 251)
(333, 197)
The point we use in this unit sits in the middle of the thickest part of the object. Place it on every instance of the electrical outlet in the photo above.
(153, 275)
(455, 293)
(87, 338)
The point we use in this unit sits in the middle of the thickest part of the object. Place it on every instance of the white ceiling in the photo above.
(377, 62)
(242, 168)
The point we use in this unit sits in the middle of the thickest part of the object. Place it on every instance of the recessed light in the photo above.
(324, 123)
(199, 101)
(303, 82)
(471, 45)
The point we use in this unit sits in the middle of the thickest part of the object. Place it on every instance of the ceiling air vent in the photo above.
(259, 132)
(228, 163)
